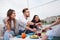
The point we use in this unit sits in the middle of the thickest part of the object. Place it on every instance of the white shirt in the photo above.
(23, 22)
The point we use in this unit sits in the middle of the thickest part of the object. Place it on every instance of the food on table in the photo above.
(34, 36)
(23, 35)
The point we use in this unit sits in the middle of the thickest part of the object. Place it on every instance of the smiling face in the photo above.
(13, 15)
(27, 13)
(36, 18)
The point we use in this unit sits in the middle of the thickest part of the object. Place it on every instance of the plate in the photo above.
(34, 37)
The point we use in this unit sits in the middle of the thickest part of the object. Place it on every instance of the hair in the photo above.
(33, 20)
(24, 10)
(9, 13)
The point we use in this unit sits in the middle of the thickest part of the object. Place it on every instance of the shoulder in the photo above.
(5, 19)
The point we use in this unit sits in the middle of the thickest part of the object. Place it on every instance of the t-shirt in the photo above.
(34, 26)
(22, 22)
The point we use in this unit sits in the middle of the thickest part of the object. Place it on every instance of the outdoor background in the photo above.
(46, 9)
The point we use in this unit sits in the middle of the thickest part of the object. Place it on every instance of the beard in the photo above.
(27, 15)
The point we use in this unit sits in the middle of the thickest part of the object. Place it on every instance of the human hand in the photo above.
(30, 23)
(48, 27)
(34, 30)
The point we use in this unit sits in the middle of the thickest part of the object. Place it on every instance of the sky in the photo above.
(42, 8)
(46, 8)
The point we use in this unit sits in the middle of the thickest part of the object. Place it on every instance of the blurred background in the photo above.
(47, 10)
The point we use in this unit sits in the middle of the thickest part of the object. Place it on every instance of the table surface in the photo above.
(27, 38)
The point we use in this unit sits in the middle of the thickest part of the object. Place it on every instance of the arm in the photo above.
(38, 24)
(28, 28)
(55, 23)
(25, 23)
(7, 26)
(30, 23)
(6, 23)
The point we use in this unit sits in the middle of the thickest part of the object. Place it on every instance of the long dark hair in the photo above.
(33, 20)
(9, 13)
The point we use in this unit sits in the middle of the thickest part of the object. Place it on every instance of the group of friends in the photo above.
(15, 27)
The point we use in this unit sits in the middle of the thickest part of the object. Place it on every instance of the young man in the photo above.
(24, 22)
(53, 32)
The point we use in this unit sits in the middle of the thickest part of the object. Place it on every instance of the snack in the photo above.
(34, 37)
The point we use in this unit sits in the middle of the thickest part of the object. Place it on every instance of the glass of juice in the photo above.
(23, 35)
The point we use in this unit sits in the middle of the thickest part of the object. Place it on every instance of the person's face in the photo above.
(59, 19)
(13, 15)
(27, 13)
(36, 18)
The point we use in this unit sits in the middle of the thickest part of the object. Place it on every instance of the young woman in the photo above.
(37, 23)
(11, 24)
